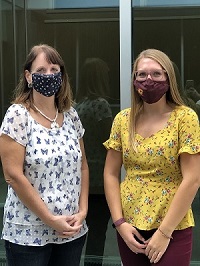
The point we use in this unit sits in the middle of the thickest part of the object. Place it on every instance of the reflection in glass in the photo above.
(96, 116)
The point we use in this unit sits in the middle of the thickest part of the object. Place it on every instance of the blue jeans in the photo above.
(66, 254)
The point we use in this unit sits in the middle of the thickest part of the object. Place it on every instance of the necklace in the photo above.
(54, 124)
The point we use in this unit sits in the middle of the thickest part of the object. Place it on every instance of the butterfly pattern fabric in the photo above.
(53, 167)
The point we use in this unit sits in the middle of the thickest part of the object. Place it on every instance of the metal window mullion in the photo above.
(26, 26)
(14, 40)
(1, 62)
(125, 56)
(125, 52)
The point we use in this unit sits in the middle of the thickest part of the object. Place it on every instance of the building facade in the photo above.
(115, 31)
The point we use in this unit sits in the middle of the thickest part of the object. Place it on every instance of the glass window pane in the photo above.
(170, 3)
(175, 31)
(79, 34)
(7, 81)
(88, 38)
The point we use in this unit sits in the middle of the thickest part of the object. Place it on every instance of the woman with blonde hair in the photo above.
(158, 142)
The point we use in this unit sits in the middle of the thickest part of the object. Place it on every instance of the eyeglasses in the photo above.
(156, 75)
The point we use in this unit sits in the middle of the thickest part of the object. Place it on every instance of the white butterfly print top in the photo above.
(53, 167)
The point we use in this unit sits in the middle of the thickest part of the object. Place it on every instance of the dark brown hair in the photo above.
(94, 80)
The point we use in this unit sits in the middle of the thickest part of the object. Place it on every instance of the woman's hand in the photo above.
(65, 225)
(75, 221)
(156, 246)
(79, 217)
(128, 232)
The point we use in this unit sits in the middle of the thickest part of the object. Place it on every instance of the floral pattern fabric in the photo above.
(153, 174)
(53, 167)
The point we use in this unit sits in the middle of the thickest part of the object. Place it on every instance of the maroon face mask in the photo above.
(151, 91)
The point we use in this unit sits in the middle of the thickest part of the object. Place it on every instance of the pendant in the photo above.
(54, 125)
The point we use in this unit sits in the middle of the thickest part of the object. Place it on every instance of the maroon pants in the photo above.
(178, 252)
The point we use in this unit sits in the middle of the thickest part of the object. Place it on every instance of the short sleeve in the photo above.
(15, 124)
(189, 132)
(76, 123)
(114, 141)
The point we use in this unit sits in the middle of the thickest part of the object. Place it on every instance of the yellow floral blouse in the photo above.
(153, 174)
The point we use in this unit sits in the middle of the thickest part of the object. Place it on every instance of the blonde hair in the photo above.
(23, 94)
(173, 95)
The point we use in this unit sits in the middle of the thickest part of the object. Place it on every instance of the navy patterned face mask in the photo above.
(47, 85)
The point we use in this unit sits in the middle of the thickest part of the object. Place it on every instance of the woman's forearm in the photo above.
(190, 169)
(112, 183)
(83, 201)
(29, 196)
(112, 192)
(179, 205)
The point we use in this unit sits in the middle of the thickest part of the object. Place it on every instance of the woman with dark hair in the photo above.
(189, 101)
(45, 167)
(96, 116)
